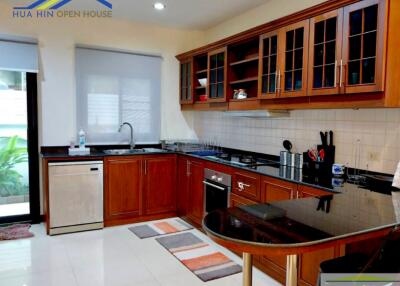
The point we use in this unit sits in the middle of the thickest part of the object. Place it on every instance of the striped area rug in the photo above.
(199, 257)
(159, 228)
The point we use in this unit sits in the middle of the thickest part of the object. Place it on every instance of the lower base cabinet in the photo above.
(159, 184)
(191, 189)
(138, 188)
(122, 188)
(196, 191)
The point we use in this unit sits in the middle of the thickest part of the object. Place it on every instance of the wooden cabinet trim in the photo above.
(380, 64)
(223, 50)
(261, 95)
(190, 101)
(338, 59)
(282, 37)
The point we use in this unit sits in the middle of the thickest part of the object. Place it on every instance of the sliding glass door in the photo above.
(18, 147)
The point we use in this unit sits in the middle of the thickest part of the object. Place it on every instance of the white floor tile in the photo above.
(110, 257)
(53, 278)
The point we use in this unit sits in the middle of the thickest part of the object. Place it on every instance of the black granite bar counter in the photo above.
(303, 222)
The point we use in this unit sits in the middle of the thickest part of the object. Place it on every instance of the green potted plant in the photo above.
(10, 155)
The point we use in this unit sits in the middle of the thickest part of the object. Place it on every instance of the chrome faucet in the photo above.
(132, 143)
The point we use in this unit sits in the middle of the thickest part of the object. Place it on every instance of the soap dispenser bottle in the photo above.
(82, 139)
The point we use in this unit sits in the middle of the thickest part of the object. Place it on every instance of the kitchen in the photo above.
(218, 115)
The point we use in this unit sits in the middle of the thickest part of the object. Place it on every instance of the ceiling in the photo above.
(187, 14)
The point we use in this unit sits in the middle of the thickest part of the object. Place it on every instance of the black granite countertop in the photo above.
(307, 221)
(322, 181)
(98, 153)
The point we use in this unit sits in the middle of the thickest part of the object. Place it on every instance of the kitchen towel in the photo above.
(396, 180)
(159, 228)
(199, 257)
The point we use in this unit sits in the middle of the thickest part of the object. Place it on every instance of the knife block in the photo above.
(322, 167)
(329, 153)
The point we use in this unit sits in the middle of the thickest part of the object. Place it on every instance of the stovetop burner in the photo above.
(224, 156)
(244, 160)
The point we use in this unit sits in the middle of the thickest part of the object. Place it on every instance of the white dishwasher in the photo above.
(75, 196)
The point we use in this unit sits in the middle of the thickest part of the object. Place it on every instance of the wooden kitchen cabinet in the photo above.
(307, 192)
(339, 54)
(217, 75)
(159, 183)
(269, 69)
(237, 201)
(183, 186)
(190, 188)
(292, 80)
(139, 188)
(276, 190)
(246, 184)
(186, 82)
(325, 56)
(122, 188)
(364, 46)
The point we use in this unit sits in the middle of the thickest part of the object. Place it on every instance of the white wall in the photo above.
(57, 39)
(271, 10)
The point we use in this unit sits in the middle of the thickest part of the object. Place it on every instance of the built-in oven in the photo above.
(217, 189)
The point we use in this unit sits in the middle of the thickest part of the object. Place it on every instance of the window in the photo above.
(116, 87)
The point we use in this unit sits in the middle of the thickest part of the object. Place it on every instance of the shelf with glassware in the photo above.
(243, 60)
(200, 72)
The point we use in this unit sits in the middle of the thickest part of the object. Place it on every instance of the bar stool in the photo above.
(385, 260)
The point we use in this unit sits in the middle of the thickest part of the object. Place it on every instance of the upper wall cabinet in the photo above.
(364, 42)
(268, 65)
(283, 64)
(292, 75)
(186, 88)
(325, 53)
(217, 74)
(338, 54)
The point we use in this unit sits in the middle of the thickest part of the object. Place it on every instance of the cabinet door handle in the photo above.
(279, 82)
(336, 70)
(341, 73)
(276, 81)
(145, 167)
(188, 168)
(242, 186)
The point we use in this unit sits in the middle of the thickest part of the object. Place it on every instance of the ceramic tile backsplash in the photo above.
(376, 131)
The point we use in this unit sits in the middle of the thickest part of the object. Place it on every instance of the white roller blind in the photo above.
(116, 87)
(17, 56)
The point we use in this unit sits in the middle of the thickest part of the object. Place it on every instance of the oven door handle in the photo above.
(214, 186)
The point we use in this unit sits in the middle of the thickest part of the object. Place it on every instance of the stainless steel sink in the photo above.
(123, 151)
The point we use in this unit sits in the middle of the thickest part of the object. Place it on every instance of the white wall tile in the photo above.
(377, 129)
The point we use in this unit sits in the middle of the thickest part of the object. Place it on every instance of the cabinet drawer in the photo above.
(246, 184)
(237, 201)
(306, 192)
(277, 190)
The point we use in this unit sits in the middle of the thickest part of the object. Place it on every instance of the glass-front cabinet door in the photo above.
(293, 80)
(217, 62)
(268, 66)
(186, 91)
(325, 53)
(364, 47)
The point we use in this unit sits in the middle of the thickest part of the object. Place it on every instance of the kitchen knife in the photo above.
(322, 137)
(331, 138)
